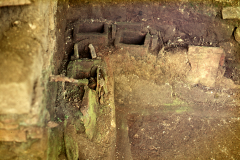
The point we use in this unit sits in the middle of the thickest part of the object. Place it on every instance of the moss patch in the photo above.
(89, 119)
(71, 148)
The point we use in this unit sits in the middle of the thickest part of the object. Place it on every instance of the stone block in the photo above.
(35, 132)
(94, 31)
(237, 34)
(71, 144)
(80, 69)
(15, 98)
(231, 13)
(20, 69)
(136, 43)
(8, 126)
(89, 111)
(154, 43)
(114, 30)
(14, 2)
(13, 135)
(204, 64)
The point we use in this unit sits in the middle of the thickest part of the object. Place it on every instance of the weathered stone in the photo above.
(136, 43)
(76, 54)
(204, 64)
(21, 66)
(89, 110)
(231, 13)
(8, 126)
(237, 34)
(35, 132)
(114, 30)
(70, 142)
(13, 135)
(14, 2)
(80, 69)
(52, 124)
(154, 43)
(92, 51)
(94, 32)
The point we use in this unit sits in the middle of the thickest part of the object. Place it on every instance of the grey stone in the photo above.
(154, 44)
(92, 51)
(231, 13)
(76, 54)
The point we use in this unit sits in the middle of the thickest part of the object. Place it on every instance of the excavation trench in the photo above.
(164, 84)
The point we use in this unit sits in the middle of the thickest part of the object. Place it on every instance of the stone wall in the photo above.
(27, 45)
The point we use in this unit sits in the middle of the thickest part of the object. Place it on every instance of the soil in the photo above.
(158, 115)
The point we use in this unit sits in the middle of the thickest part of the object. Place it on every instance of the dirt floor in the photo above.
(172, 121)
(158, 114)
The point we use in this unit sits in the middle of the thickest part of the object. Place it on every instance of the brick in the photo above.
(13, 135)
(15, 98)
(204, 64)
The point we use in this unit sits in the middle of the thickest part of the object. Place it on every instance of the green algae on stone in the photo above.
(55, 144)
(176, 102)
(182, 109)
(81, 66)
(89, 118)
(71, 148)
